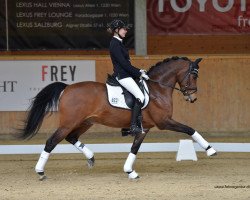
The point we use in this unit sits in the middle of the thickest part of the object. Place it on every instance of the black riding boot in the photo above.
(134, 129)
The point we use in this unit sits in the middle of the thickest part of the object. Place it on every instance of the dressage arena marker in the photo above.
(186, 151)
(121, 147)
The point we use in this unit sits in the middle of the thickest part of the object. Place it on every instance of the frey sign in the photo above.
(20, 81)
(58, 73)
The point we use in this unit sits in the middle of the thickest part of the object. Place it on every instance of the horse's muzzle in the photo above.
(191, 98)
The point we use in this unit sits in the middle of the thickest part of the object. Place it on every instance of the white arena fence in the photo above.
(120, 147)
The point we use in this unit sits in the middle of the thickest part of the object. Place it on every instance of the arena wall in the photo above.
(223, 94)
(197, 44)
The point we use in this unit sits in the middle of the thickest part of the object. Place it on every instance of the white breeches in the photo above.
(132, 87)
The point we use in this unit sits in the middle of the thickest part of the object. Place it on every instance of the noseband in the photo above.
(184, 90)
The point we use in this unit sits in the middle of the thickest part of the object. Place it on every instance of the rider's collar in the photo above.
(117, 38)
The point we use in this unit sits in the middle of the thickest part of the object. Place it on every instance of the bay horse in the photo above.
(79, 109)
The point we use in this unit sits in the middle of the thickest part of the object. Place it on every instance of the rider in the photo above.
(124, 72)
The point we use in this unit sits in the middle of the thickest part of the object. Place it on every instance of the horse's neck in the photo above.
(162, 90)
(168, 77)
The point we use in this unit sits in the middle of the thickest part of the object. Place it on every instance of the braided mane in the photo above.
(165, 61)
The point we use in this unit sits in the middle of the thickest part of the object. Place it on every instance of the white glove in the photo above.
(143, 71)
(145, 76)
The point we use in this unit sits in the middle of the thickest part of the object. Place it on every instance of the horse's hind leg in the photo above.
(51, 143)
(72, 138)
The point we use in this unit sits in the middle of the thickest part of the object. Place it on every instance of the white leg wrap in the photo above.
(42, 161)
(200, 140)
(81, 147)
(128, 166)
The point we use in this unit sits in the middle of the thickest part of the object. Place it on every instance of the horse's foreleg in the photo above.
(128, 166)
(172, 125)
(204, 144)
(51, 143)
(73, 139)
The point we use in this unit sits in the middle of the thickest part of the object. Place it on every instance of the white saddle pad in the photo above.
(116, 98)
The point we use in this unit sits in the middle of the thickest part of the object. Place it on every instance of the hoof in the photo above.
(136, 178)
(91, 162)
(41, 176)
(133, 175)
(211, 152)
(214, 154)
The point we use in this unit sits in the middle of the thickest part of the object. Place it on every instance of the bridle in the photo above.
(184, 90)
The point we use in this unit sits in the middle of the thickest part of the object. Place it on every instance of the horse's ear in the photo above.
(197, 61)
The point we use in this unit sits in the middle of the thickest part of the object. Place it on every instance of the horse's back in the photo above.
(86, 84)
(83, 92)
(82, 87)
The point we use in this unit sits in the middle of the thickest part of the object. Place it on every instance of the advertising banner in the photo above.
(67, 25)
(198, 17)
(20, 81)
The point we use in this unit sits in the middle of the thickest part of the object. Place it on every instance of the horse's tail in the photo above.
(46, 100)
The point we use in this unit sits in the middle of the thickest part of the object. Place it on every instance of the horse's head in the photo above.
(176, 69)
(187, 80)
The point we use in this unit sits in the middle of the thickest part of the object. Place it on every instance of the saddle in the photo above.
(119, 97)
